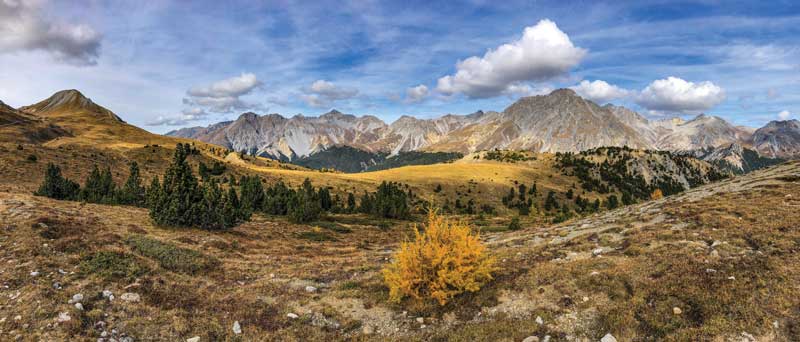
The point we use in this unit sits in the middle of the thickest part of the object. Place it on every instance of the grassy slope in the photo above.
(655, 256)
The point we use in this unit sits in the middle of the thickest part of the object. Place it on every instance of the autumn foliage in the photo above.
(443, 261)
(657, 194)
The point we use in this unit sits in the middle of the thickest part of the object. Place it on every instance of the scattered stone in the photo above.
(597, 251)
(420, 320)
(539, 320)
(715, 243)
(126, 339)
(76, 298)
(311, 289)
(594, 273)
(546, 338)
(57, 285)
(731, 278)
(237, 328)
(63, 317)
(608, 338)
(34, 273)
(17, 317)
(108, 294)
(585, 299)
(676, 310)
(711, 270)
(193, 339)
(130, 297)
(746, 337)
(531, 339)
(292, 315)
(79, 306)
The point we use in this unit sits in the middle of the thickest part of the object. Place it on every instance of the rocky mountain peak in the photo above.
(69, 100)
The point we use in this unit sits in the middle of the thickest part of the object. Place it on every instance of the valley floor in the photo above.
(718, 262)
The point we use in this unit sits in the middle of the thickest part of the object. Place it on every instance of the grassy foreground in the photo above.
(718, 262)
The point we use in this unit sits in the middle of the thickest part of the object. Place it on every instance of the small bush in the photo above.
(514, 225)
(656, 194)
(443, 261)
(110, 264)
(32, 158)
(171, 257)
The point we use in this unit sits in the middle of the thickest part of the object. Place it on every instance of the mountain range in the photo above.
(561, 121)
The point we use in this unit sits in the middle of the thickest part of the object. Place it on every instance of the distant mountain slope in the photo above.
(735, 158)
(350, 160)
(88, 123)
(778, 139)
(21, 127)
(559, 122)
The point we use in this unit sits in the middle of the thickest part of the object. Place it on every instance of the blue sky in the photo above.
(162, 65)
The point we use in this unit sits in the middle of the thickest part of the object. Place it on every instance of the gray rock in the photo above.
(420, 320)
(193, 339)
(531, 339)
(608, 338)
(79, 306)
(130, 297)
(539, 320)
(292, 315)
(107, 294)
(63, 317)
(237, 328)
(76, 298)
(311, 289)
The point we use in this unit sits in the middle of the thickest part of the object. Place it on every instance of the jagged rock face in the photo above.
(701, 132)
(778, 139)
(734, 158)
(559, 122)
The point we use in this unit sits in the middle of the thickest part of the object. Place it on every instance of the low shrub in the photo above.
(172, 257)
(111, 264)
(445, 260)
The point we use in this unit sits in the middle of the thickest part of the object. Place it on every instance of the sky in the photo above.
(163, 65)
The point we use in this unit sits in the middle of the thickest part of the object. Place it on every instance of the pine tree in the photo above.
(305, 206)
(132, 192)
(325, 201)
(176, 206)
(612, 202)
(351, 202)
(252, 194)
(99, 187)
(550, 202)
(56, 186)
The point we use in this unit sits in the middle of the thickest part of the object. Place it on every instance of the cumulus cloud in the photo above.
(784, 115)
(676, 95)
(323, 93)
(516, 90)
(24, 27)
(599, 91)
(224, 96)
(416, 94)
(543, 52)
(181, 119)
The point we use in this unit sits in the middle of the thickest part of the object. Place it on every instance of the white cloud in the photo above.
(24, 27)
(224, 96)
(542, 53)
(323, 93)
(416, 94)
(599, 91)
(516, 90)
(679, 96)
(183, 118)
(784, 115)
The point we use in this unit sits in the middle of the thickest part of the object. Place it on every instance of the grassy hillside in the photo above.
(705, 264)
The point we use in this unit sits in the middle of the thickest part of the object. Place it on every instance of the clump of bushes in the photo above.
(442, 262)
(172, 257)
(112, 264)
